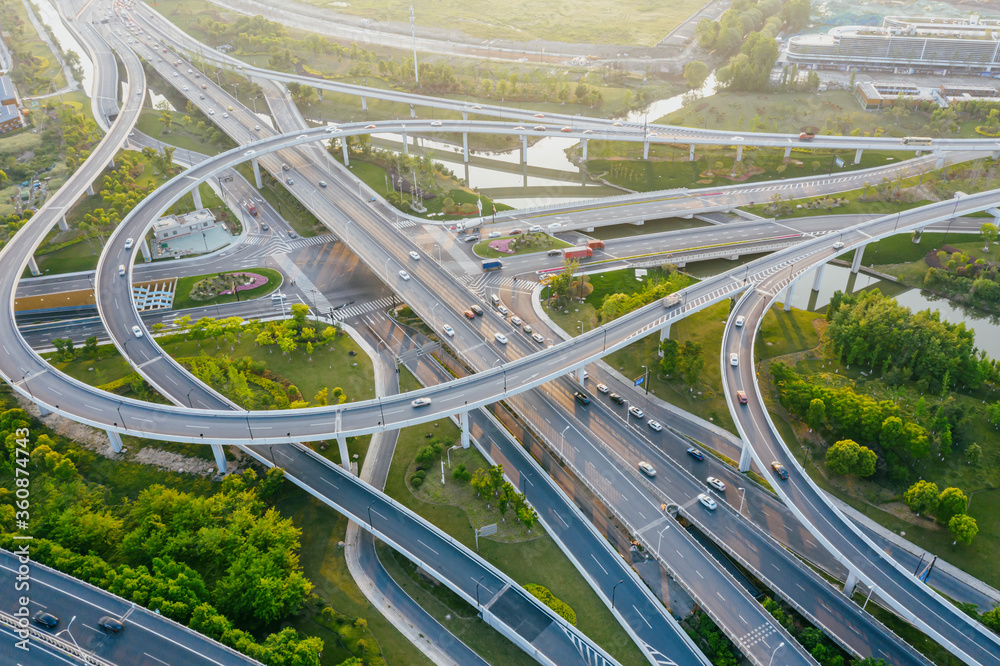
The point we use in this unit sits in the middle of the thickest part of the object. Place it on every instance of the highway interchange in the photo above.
(486, 384)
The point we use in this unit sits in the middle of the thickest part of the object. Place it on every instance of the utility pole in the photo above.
(413, 35)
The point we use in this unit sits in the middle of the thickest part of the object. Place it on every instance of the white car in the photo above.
(128, 243)
(502, 309)
(494, 234)
(176, 74)
(137, 331)
(516, 320)
(707, 501)
(225, 115)
(647, 469)
(501, 338)
(449, 331)
(537, 337)
(249, 153)
(635, 411)
(421, 402)
(404, 275)
(211, 112)
(740, 320)
(185, 88)
(603, 388)
(414, 255)
(655, 425)
(436, 123)
(555, 225)
(716, 483)
(733, 359)
(535, 228)
(838, 245)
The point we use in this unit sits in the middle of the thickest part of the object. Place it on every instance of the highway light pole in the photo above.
(780, 645)
(742, 497)
(413, 36)
(615, 587)
(645, 378)
(562, 442)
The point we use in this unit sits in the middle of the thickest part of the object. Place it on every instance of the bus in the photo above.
(917, 141)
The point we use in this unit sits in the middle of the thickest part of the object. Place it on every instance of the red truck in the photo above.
(806, 136)
(595, 244)
(577, 253)
(252, 209)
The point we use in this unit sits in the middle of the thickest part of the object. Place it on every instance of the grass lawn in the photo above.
(184, 136)
(537, 560)
(786, 332)
(586, 21)
(48, 77)
(183, 299)
(528, 243)
(70, 259)
(901, 257)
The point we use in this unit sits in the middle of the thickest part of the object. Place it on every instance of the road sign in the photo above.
(639, 381)
(488, 530)
(840, 162)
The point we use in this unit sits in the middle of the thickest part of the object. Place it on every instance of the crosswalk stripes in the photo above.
(352, 311)
(590, 656)
(274, 245)
(403, 223)
(659, 658)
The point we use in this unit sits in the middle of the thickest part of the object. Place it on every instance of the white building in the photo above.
(175, 226)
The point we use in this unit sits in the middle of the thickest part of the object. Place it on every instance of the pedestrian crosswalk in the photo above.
(351, 311)
(270, 244)
(484, 282)
(403, 223)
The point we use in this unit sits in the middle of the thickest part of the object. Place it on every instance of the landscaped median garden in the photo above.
(508, 246)
(217, 288)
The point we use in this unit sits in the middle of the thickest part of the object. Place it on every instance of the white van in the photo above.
(121, 269)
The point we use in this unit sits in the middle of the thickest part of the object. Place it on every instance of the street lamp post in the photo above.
(645, 379)
(562, 442)
(615, 587)
(370, 515)
(742, 497)
(780, 645)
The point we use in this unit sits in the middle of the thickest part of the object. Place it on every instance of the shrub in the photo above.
(560, 607)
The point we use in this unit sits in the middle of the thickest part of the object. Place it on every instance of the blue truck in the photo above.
(491, 265)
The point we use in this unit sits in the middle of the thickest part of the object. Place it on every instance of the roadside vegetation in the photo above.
(36, 70)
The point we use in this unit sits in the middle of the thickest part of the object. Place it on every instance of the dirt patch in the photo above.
(901, 511)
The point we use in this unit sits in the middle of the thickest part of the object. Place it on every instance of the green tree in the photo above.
(816, 416)
(952, 502)
(989, 232)
(842, 456)
(992, 619)
(891, 435)
(695, 73)
(922, 497)
(963, 528)
(867, 462)
(973, 454)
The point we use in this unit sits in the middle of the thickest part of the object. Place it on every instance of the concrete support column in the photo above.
(583, 146)
(940, 161)
(463, 423)
(406, 145)
(465, 145)
(90, 190)
(63, 224)
(33, 265)
(364, 103)
(465, 115)
(645, 150)
(116, 441)
(856, 264)
(524, 149)
(819, 277)
(413, 112)
(220, 458)
(146, 255)
(579, 374)
(196, 193)
(857, 155)
(42, 411)
(691, 154)
(256, 170)
(111, 164)
(851, 584)
(788, 296)
(745, 458)
(995, 154)
(345, 458)
(665, 332)
(739, 153)
(788, 152)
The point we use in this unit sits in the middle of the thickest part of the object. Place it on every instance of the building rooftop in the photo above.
(7, 89)
(8, 112)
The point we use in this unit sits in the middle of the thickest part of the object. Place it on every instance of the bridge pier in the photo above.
(524, 149)
(33, 265)
(146, 256)
(856, 264)
(463, 424)
(579, 374)
(819, 277)
(413, 112)
(745, 458)
(465, 146)
(995, 154)
(691, 154)
(364, 103)
(111, 164)
(116, 441)
(220, 458)
(788, 152)
(90, 189)
(857, 155)
(645, 150)
(739, 153)
(63, 224)
(196, 193)
(256, 169)
(788, 296)
(42, 410)
(583, 145)
(406, 145)
(851, 584)
(465, 115)
(345, 458)
(665, 332)
(940, 161)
